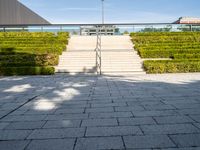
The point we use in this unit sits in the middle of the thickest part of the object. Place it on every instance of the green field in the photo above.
(182, 47)
(25, 53)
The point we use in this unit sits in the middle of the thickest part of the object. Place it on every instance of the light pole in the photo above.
(102, 11)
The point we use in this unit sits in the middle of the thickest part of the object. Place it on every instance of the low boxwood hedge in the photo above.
(26, 70)
(31, 60)
(182, 47)
(173, 66)
(165, 53)
(187, 56)
(26, 53)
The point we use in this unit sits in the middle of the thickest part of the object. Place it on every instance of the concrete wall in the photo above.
(13, 12)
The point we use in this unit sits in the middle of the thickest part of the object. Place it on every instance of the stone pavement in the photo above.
(152, 112)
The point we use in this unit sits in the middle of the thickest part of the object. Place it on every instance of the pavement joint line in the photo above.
(168, 135)
(29, 100)
(123, 142)
(74, 146)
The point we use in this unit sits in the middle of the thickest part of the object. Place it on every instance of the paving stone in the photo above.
(110, 115)
(24, 118)
(188, 148)
(69, 111)
(99, 122)
(136, 121)
(186, 140)
(57, 133)
(13, 145)
(129, 108)
(10, 106)
(148, 141)
(173, 120)
(182, 101)
(105, 109)
(67, 116)
(109, 105)
(3, 125)
(4, 113)
(169, 129)
(25, 125)
(99, 143)
(197, 125)
(14, 134)
(195, 117)
(101, 101)
(35, 112)
(154, 113)
(155, 102)
(51, 144)
(189, 111)
(185, 106)
(62, 124)
(18, 112)
(113, 131)
(159, 107)
(75, 106)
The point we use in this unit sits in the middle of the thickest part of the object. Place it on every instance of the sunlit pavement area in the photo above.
(79, 112)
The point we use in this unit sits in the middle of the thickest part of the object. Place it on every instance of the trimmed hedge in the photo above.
(165, 44)
(182, 47)
(174, 66)
(187, 56)
(25, 53)
(35, 60)
(10, 71)
(165, 53)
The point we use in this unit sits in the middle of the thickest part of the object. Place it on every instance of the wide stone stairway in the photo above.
(118, 56)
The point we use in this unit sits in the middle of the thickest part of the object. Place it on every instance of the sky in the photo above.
(116, 11)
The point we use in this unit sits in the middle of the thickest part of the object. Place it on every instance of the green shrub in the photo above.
(187, 56)
(35, 60)
(166, 53)
(10, 71)
(165, 44)
(25, 53)
(173, 66)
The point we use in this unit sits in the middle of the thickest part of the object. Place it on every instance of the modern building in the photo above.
(92, 30)
(188, 20)
(12, 12)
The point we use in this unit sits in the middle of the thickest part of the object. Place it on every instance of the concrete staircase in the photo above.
(118, 56)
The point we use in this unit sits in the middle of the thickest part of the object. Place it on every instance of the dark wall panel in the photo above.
(13, 12)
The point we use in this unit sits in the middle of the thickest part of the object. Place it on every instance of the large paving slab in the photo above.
(151, 112)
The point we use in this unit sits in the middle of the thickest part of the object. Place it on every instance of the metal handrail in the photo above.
(94, 24)
(98, 50)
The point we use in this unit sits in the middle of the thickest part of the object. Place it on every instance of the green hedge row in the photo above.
(187, 56)
(25, 53)
(28, 70)
(29, 60)
(182, 66)
(144, 34)
(165, 53)
(33, 50)
(182, 47)
(166, 45)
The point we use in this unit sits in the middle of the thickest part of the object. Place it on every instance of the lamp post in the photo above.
(102, 11)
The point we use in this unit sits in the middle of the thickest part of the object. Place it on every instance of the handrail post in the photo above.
(98, 50)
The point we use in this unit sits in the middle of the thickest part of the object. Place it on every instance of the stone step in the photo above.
(103, 68)
(124, 73)
(118, 56)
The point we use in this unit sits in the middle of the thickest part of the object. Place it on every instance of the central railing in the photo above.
(98, 49)
(109, 29)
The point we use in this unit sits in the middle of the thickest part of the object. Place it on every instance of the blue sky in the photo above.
(116, 11)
